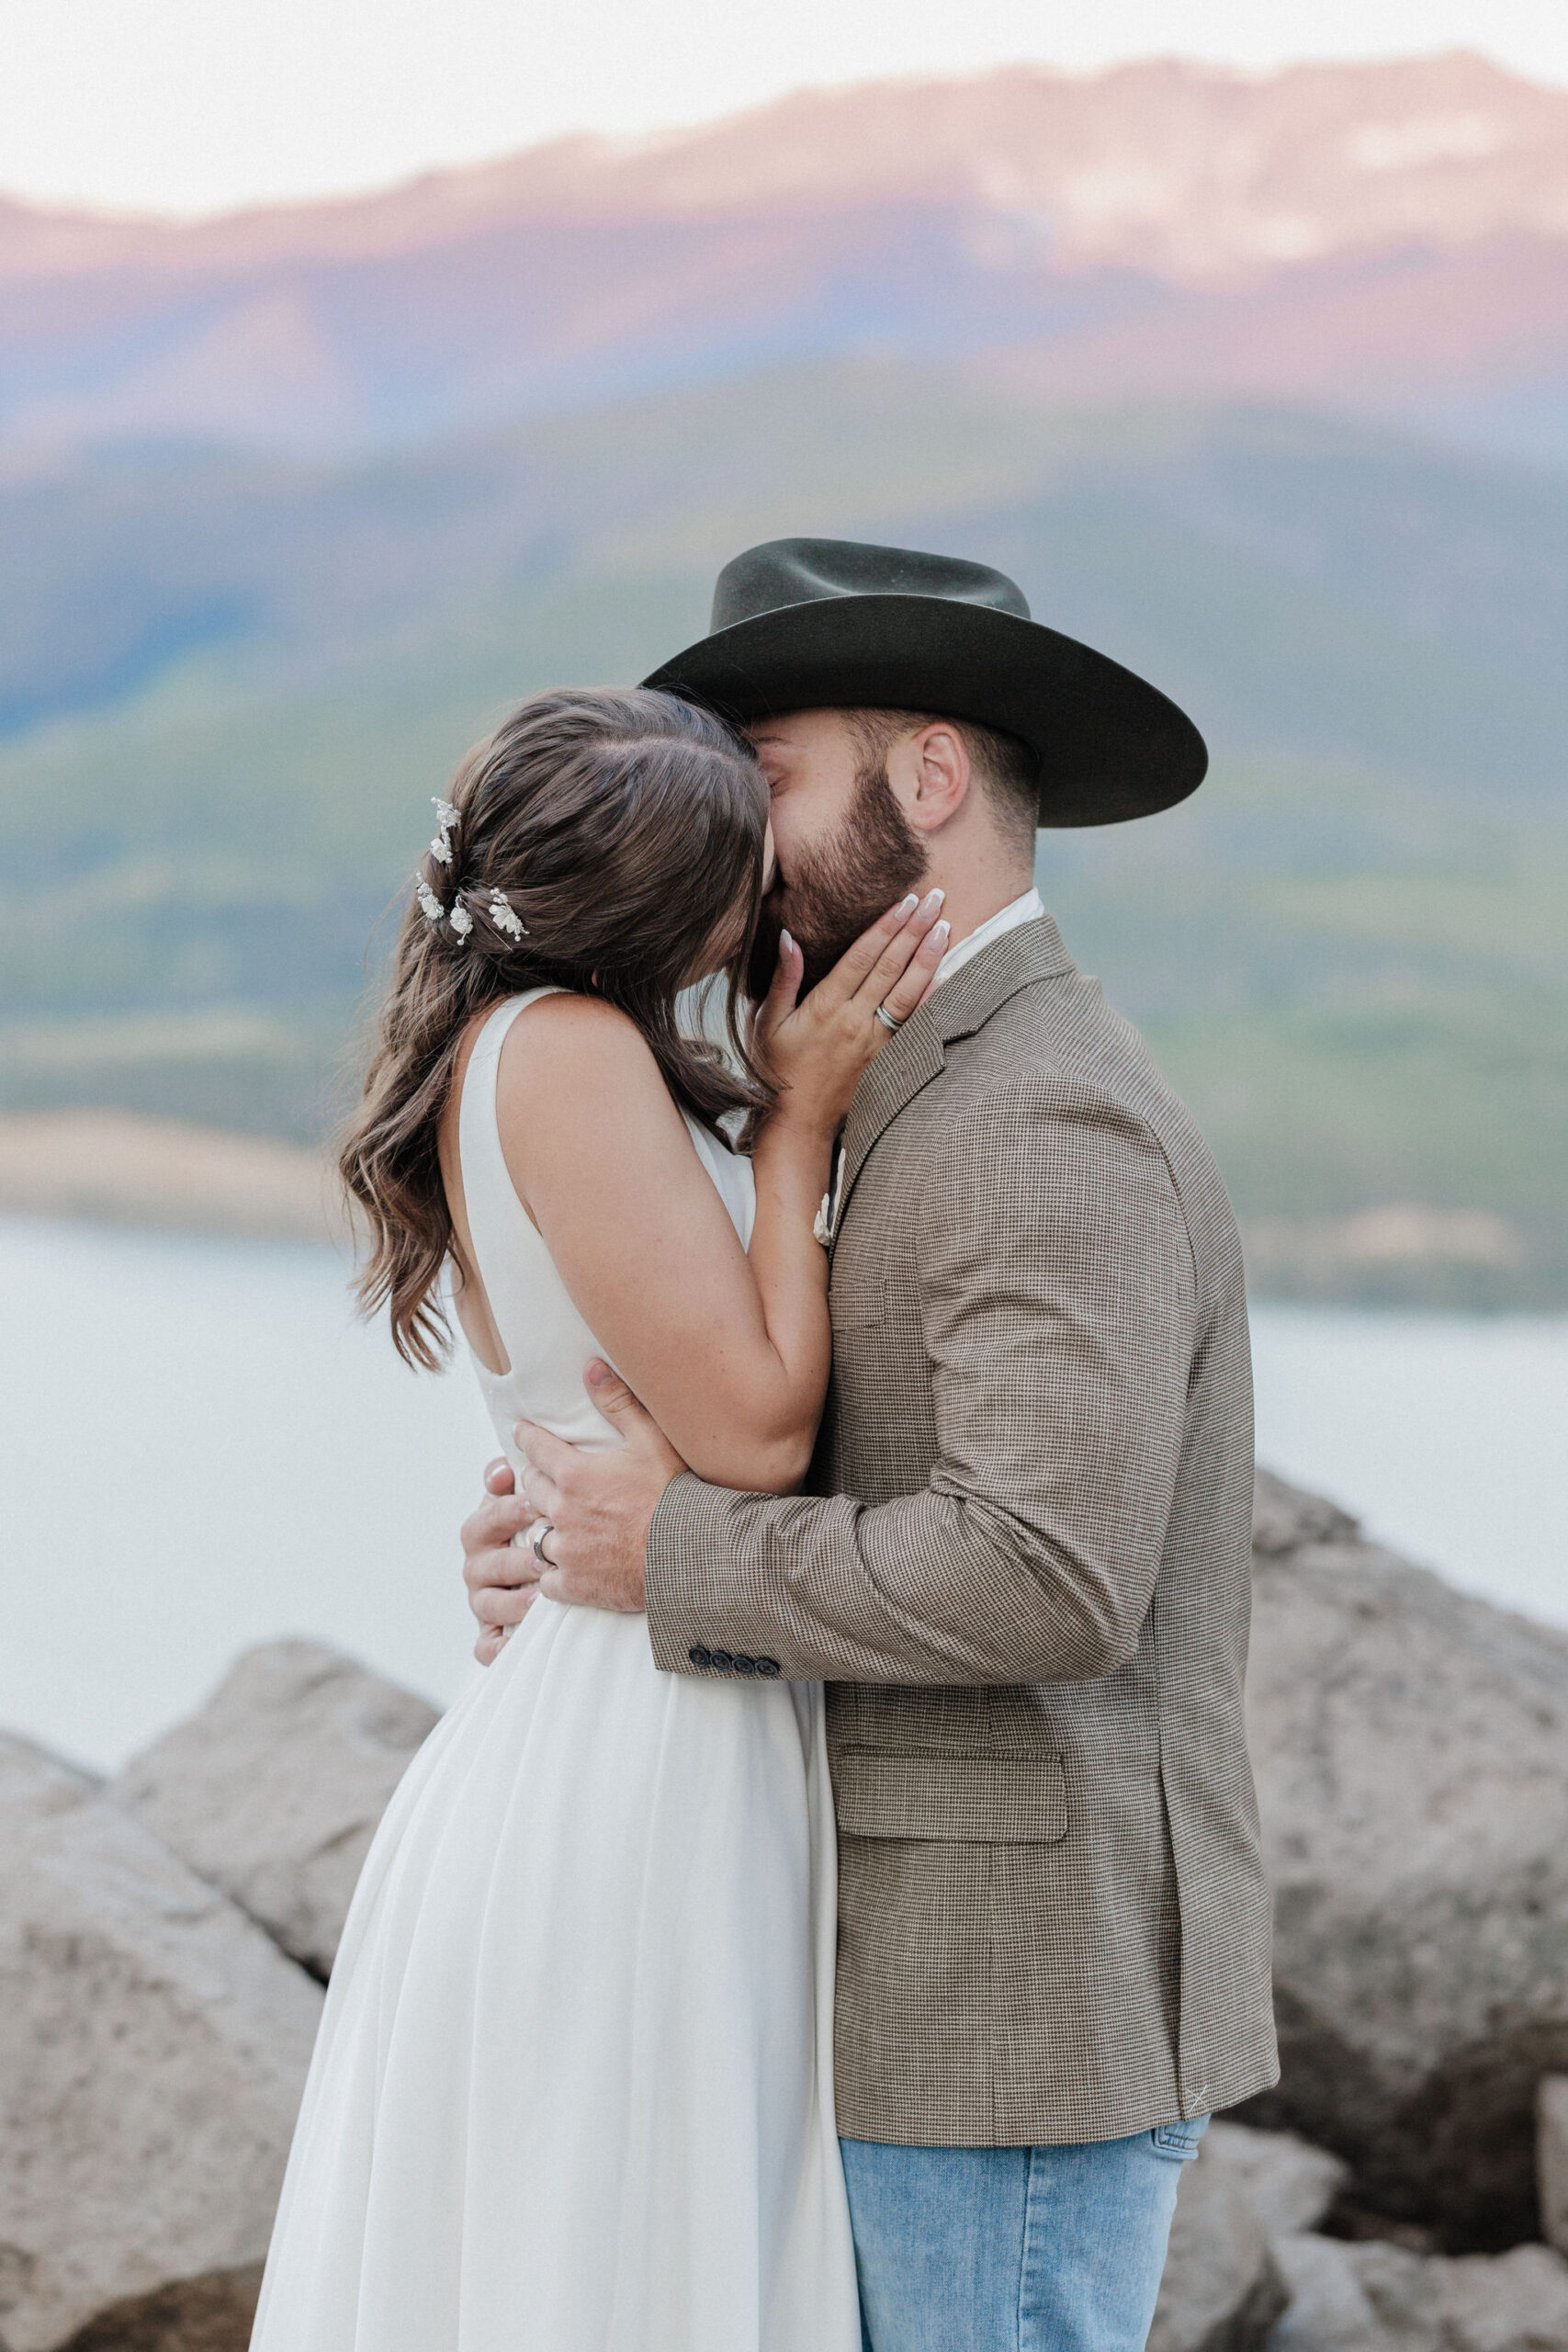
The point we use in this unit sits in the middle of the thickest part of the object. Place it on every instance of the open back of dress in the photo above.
(573, 2091)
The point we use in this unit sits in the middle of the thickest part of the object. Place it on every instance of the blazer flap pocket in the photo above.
(963, 1799)
(852, 1306)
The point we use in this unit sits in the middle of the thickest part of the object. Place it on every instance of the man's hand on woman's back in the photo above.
(588, 1511)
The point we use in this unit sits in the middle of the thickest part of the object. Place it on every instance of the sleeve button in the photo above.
(722, 1659)
(698, 1656)
(768, 1668)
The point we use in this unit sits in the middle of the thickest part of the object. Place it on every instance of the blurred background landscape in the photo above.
(364, 367)
(1256, 376)
(1258, 382)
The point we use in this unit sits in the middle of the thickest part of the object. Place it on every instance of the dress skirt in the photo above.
(573, 2090)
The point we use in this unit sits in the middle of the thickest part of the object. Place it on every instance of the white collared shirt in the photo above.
(1022, 910)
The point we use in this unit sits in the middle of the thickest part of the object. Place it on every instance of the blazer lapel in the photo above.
(965, 1003)
(908, 1062)
(916, 1055)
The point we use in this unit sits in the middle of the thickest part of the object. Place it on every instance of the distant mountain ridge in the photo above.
(1389, 238)
(1193, 170)
(300, 500)
(228, 686)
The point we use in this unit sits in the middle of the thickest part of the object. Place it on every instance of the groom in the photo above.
(1023, 1566)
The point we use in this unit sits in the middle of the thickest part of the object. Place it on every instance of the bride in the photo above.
(573, 2091)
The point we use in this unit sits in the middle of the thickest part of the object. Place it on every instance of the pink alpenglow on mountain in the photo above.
(1389, 237)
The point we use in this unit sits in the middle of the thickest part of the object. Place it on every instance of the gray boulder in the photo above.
(153, 2044)
(212, 2315)
(1411, 1749)
(272, 1791)
(1517, 2303)
(1284, 1518)
(1222, 2288)
(1380, 2298)
(1551, 2158)
(1289, 2184)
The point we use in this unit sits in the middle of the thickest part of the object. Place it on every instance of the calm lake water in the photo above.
(200, 1448)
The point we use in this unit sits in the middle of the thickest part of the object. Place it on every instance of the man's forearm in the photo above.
(1057, 1341)
(933, 1588)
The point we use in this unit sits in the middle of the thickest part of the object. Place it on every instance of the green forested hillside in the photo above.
(231, 687)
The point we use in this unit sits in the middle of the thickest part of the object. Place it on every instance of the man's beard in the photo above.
(841, 886)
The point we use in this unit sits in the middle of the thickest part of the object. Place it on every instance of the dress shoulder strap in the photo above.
(497, 1219)
(478, 1079)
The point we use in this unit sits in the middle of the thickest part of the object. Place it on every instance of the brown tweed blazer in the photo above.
(1024, 1574)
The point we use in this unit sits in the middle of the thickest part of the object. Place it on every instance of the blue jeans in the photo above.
(1014, 2249)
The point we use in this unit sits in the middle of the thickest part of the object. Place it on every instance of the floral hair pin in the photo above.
(446, 820)
(432, 910)
(505, 917)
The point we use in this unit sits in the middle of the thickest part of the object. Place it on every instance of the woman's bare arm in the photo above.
(730, 1355)
(645, 1247)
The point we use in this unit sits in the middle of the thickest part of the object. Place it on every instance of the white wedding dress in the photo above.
(573, 2089)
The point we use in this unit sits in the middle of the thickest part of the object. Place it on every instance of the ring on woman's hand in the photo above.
(888, 1019)
(537, 1544)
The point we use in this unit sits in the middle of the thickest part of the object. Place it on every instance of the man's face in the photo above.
(844, 850)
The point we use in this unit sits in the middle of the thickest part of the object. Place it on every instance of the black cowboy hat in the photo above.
(832, 624)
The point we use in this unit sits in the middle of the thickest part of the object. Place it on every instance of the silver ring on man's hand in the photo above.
(537, 1544)
(888, 1019)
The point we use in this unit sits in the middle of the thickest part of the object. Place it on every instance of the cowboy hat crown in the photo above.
(841, 623)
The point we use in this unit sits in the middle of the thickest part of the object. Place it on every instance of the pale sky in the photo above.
(194, 105)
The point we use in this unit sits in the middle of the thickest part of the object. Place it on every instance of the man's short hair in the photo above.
(1008, 771)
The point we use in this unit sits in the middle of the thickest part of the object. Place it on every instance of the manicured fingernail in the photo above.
(933, 899)
(906, 907)
(940, 932)
(787, 944)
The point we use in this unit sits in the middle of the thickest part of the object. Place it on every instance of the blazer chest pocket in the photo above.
(858, 1306)
(955, 1800)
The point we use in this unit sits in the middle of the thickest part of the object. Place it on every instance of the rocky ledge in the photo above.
(163, 1937)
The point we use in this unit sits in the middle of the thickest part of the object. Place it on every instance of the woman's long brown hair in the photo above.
(625, 830)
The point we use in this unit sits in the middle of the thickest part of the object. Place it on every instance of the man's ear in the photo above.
(930, 775)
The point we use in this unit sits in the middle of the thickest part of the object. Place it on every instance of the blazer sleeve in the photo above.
(1059, 1311)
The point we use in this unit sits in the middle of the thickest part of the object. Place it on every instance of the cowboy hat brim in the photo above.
(1110, 745)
